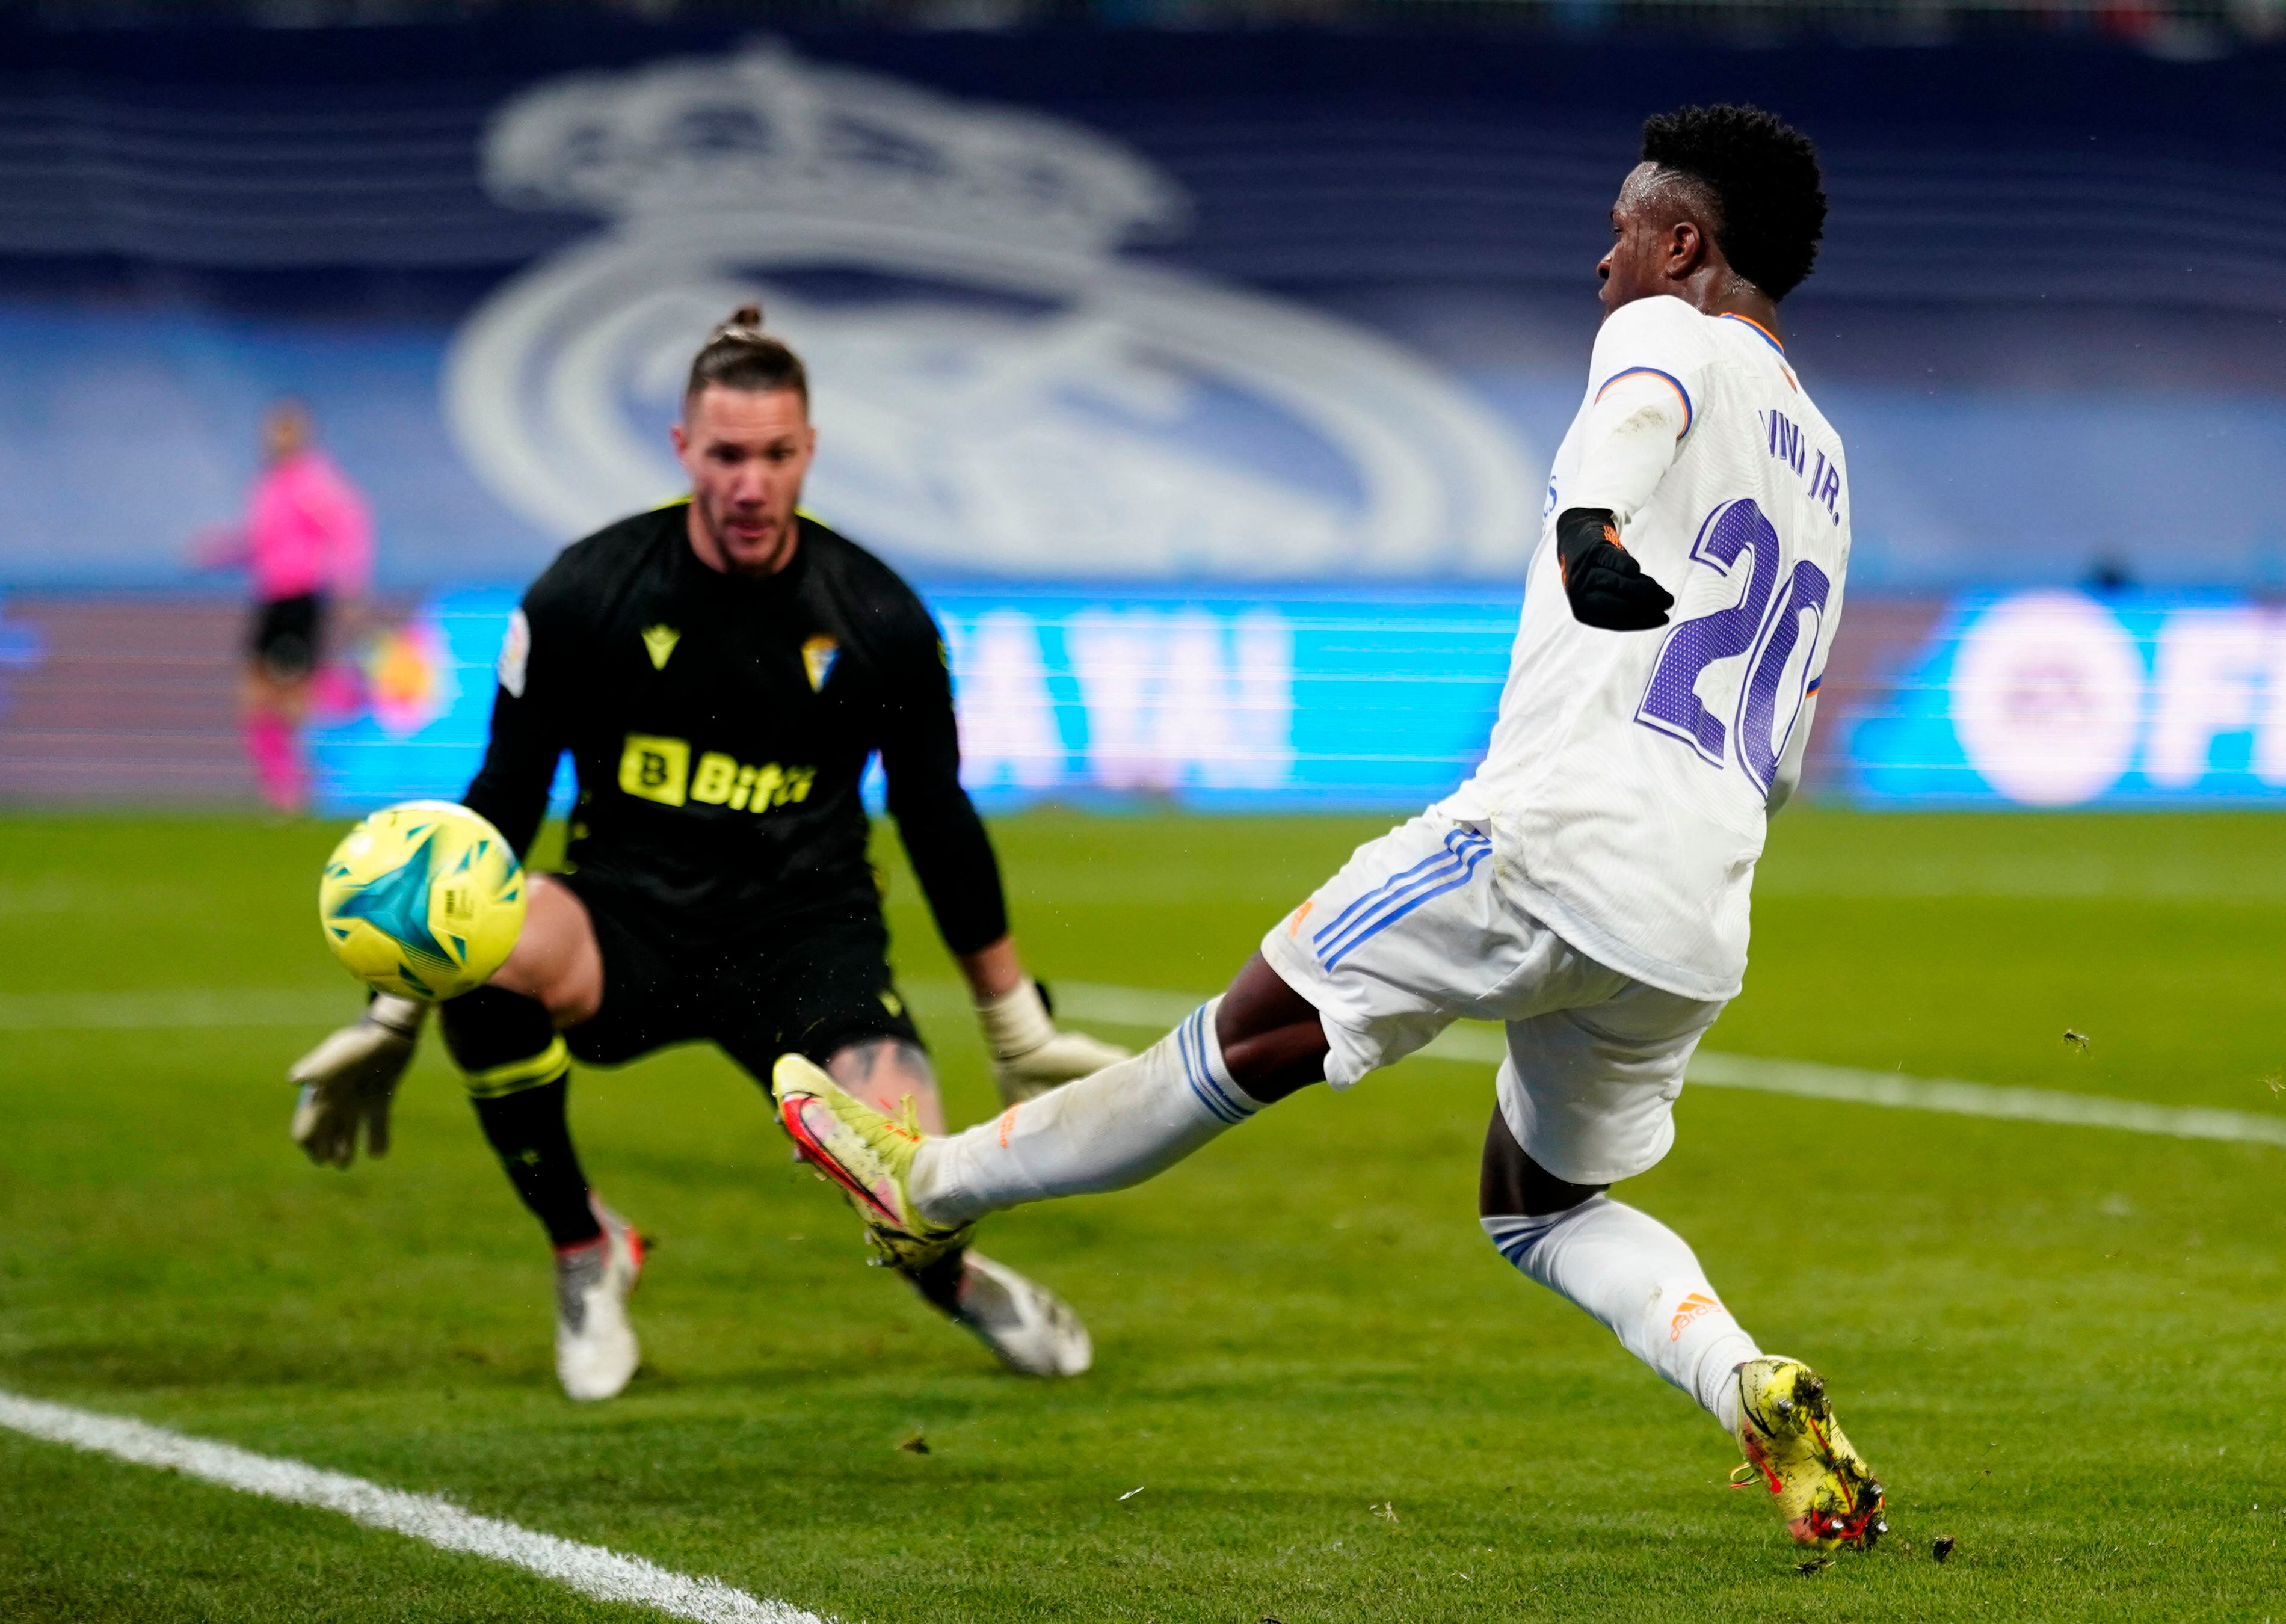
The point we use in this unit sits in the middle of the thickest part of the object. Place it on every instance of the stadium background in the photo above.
(1205, 376)
(1201, 356)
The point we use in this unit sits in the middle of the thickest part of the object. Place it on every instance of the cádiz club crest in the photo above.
(998, 391)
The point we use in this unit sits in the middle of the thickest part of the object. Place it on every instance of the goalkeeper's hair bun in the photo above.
(739, 354)
(745, 322)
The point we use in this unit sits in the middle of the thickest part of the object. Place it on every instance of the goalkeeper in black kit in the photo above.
(721, 670)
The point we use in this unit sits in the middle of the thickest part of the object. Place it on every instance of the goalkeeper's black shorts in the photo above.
(810, 984)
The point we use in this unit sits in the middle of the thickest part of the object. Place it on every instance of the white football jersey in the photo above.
(1630, 773)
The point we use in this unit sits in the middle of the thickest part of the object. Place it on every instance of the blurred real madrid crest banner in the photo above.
(1206, 383)
(1002, 393)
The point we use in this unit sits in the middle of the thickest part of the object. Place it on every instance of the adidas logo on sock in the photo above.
(1693, 1307)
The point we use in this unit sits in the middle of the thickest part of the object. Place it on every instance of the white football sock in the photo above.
(1642, 1280)
(1110, 1128)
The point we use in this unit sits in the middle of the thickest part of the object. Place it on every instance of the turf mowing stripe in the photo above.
(1138, 1006)
(589, 1569)
(96, 1011)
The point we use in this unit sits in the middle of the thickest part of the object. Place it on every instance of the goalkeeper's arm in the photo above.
(953, 858)
(348, 1081)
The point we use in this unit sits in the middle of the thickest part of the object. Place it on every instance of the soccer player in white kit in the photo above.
(1588, 886)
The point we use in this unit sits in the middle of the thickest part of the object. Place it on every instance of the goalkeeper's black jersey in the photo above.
(719, 727)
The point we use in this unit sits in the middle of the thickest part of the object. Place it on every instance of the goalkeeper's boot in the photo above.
(596, 1348)
(1030, 1329)
(870, 1156)
(1825, 1491)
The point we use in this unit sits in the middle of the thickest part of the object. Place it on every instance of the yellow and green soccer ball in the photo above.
(423, 899)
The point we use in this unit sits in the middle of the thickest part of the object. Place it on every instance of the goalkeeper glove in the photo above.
(1606, 586)
(349, 1080)
(1030, 1054)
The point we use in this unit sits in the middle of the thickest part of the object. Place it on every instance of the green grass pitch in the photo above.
(2060, 1346)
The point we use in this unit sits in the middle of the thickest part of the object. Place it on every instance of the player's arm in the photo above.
(348, 1081)
(528, 733)
(1649, 371)
(1628, 442)
(960, 874)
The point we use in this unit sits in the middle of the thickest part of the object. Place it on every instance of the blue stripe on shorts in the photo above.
(1399, 895)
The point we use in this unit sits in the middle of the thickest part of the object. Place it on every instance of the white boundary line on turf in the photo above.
(1135, 1007)
(589, 1569)
(1155, 1009)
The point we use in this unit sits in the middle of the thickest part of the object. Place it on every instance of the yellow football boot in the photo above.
(867, 1155)
(1827, 1493)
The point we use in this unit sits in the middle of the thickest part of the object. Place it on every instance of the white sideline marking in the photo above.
(1808, 1080)
(1135, 1007)
(589, 1569)
(1158, 1009)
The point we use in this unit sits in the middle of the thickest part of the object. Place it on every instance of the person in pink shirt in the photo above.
(307, 540)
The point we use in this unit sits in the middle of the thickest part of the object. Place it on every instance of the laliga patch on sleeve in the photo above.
(516, 653)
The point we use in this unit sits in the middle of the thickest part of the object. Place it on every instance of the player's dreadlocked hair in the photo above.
(1761, 173)
(739, 354)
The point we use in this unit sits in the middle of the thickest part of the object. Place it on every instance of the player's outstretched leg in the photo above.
(519, 1075)
(1118, 1127)
(1642, 1281)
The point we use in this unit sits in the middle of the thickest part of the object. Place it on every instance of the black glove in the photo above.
(1606, 586)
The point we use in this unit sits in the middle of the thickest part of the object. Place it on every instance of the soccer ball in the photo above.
(423, 899)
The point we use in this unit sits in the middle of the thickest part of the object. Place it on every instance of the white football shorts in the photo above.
(1414, 934)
